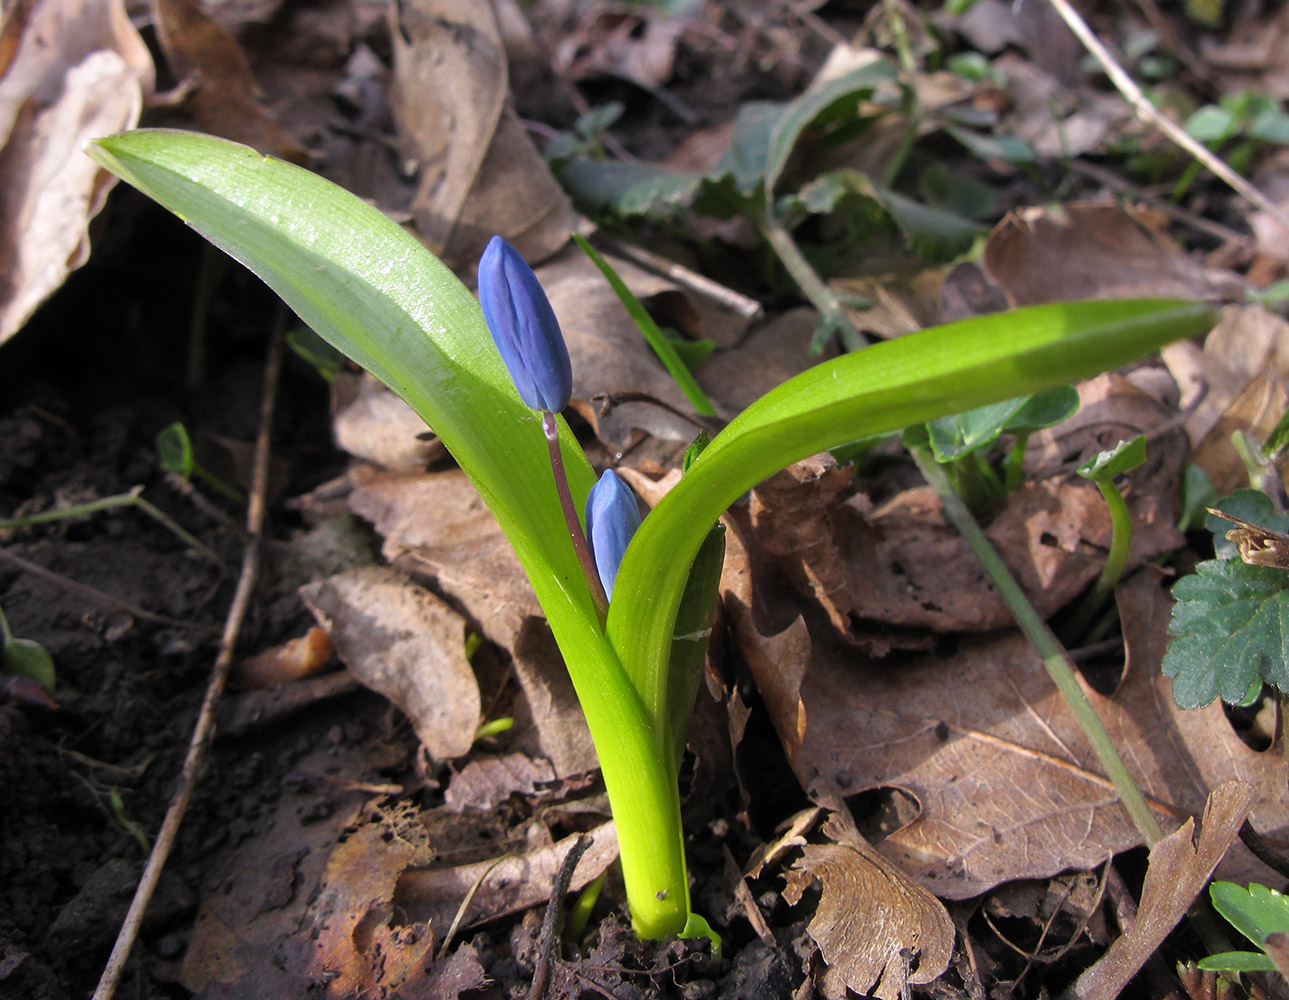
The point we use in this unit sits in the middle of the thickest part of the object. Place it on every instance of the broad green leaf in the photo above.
(885, 387)
(1007, 148)
(1210, 124)
(28, 658)
(1045, 409)
(1123, 457)
(372, 290)
(953, 437)
(1231, 627)
(1198, 494)
(627, 189)
(1256, 912)
(174, 449)
(1237, 961)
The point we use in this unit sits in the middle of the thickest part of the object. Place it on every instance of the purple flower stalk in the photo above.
(524, 328)
(612, 517)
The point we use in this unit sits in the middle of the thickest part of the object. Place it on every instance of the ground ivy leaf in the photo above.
(1231, 623)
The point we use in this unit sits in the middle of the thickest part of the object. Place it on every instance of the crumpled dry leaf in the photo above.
(773, 353)
(1056, 119)
(223, 100)
(1089, 250)
(289, 661)
(502, 885)
(638, 44)
(437, 527)
(488, 780)
(372, 423)
(401, 640)
(1005, 781)
(480, 174)
(1180, 866)
(77, 71)
(1236, 382)
(869, 946)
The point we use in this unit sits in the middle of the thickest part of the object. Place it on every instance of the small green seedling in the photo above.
(1256, 912)
(174, 449)
(372, 290)
(961, 441)
(1102, 469)
(309, 347)
(26, 669)
(1231, 615)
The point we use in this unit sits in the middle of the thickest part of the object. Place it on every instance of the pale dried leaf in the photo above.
(437, 527)
(372, 423)
(79, 72)
(1006, 783)
(224, 99)
(488, 780)
(1092, 251)
(1180, 867)
(480, 174)
(872, 921)
(401, 640)
(505, 885)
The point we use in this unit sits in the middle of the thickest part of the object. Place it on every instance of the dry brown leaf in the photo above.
(75, 70)
(898, 303)
(372, 423)
(224, 96)
(437, 527)
(1237, 382)
(639, 45)
(501, 885)
(401, 640)
(609, 354)
(480, 174)
(1056, 119)
(1005, 781)
(1180, 867)
(769, 356)
(1088, 250)
(487, 780)
(872, 920)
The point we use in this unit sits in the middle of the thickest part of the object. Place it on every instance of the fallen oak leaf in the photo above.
(869, 947)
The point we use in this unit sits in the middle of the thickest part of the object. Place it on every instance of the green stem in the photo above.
(812, 286)
(575, 533)
(6, 634)
(131, 499)
(1116, 559)
(1054, 657)
(1015, 468)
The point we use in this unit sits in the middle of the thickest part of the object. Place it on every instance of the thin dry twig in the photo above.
(1151, 115)
(203, 733)
(96, 596)
(549, 935)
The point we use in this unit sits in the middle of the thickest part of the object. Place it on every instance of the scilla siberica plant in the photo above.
(376, 294)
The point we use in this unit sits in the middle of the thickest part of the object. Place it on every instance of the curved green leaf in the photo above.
(888, 386)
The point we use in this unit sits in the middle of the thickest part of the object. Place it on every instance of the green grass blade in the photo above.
(662, 347)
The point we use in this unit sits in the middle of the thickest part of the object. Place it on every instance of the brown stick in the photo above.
(1148, 113)
(199, 745)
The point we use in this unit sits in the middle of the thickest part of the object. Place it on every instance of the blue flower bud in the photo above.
(524, 328)
(611, 519)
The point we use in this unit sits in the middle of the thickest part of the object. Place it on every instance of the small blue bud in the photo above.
(524, 328)
(611, 519)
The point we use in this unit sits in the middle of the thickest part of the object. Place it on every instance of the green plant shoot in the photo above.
(374, 292)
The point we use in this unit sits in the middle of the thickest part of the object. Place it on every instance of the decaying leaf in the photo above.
(479, 172)
(1258, 546)
(488, 780)
(401, 640)
(1180, 867)
(1235, 383)
(437, 527)
(223, 97)
(981, 734)
(1091, 251)
(872, 923)
(372, 423)
(500, 885)
(76, 70)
